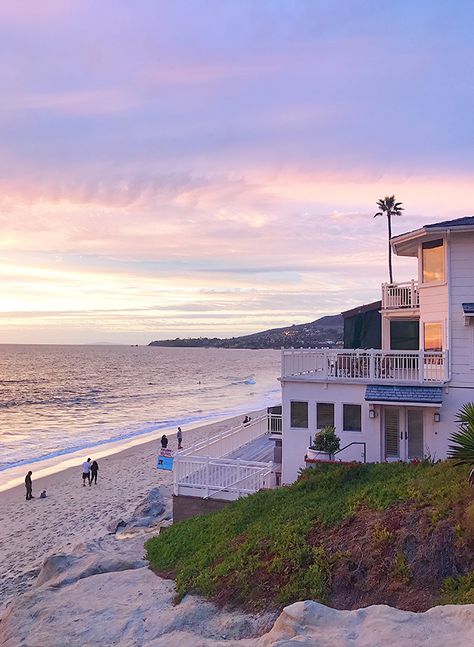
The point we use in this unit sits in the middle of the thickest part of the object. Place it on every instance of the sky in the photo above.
(211, 168)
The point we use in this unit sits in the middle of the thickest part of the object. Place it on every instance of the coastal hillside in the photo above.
(326, 331)
(345, 535)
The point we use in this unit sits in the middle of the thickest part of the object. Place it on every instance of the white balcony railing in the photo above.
(400, 295)
(229, 440)
(203, 469)
(221, 478)
(367, 366)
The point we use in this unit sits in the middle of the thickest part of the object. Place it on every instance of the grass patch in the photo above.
(261, 550)
(458, 590)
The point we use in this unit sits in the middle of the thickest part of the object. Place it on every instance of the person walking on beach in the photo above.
(164, 441)
(94, 470)
(29, 486)
(86, 472)
(179, 436)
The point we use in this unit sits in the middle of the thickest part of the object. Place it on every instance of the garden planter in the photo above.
(315, 455)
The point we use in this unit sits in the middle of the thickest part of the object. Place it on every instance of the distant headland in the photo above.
(324, 332)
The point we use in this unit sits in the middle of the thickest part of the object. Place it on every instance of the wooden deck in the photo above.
(260, 449)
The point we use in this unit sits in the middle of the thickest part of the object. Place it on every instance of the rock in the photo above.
(116, 526)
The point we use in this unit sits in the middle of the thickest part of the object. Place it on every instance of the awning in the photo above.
(416, 395)
(468, 309)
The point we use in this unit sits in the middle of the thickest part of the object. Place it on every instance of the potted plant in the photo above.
(325, 445)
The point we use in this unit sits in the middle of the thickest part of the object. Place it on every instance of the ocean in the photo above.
(55, 400)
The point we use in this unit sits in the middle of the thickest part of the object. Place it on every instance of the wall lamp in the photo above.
(436, 416)
(372, 414)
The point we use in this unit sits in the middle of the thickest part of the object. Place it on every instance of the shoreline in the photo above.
(71, 513)
(14, 476)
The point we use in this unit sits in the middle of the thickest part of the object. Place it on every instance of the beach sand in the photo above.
(71, 513)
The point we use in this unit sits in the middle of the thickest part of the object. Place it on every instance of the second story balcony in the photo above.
(396, 296)
(365, 366)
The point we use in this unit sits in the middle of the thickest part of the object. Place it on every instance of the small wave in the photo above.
(245, 380)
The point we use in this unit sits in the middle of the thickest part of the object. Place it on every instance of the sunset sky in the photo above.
(201, 168)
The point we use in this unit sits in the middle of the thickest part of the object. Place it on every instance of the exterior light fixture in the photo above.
(372, 414)
(437, 416)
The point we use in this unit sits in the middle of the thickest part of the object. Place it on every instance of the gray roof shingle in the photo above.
(393, 393)
(465, 221)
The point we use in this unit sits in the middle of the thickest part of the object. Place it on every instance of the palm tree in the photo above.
(463, 449)
(390, 208)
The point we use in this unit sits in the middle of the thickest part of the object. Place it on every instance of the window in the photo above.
(299, 415)
(324, 414)
(433, 336)
(404, 335)
(351, 414)
(433, 261)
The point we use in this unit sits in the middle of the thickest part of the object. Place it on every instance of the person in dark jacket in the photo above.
(179, 437)
(29, 486)
(164, 441)
(94, 470)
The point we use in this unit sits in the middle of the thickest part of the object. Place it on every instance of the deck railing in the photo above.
(202, 470)
(221, 478)
(229, 440)
(366, 366)
(400, 295)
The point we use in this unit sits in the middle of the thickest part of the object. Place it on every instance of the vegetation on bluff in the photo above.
(346, 535)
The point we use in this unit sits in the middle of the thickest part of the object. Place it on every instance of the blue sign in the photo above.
(164, 463)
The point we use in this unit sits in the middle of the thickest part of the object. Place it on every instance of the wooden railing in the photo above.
(400, 295)
(368, 366)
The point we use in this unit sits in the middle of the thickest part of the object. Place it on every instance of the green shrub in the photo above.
(326, 440)
(458, 590)
(400, 570)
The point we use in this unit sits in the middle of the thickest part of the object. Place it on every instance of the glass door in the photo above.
(392, 433)
(414, 434)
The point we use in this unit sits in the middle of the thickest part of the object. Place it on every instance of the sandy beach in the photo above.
(71, 513)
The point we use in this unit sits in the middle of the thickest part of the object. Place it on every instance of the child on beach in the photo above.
(164, 441)
(43, 494)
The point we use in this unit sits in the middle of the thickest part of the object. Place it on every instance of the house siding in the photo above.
(461, 290)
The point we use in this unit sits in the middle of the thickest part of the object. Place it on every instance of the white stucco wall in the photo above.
(296, 441)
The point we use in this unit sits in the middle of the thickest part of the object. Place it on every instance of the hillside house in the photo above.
(398, 401)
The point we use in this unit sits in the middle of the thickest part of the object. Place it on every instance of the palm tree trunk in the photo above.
(389, 220)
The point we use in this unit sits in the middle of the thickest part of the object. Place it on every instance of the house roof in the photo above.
(368, 307)
(406, 244)
(403, 394)
(468, 308)
(465, 221)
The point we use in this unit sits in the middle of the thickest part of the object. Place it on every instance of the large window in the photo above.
(351, 414)
(433, 336)
(433, 261)
(299, 415)
(404, 335)
(324, 414)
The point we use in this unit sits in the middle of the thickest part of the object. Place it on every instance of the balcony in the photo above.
(404, 296)
(365, 366)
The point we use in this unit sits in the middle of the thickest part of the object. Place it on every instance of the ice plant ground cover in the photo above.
(346, 535)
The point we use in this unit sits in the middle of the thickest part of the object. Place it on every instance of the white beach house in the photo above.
(398, 401)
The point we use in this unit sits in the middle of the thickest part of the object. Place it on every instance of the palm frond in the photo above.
(462, 449)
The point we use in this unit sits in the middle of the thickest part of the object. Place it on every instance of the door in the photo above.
(403, 434)
(392, 433)
(414, 434)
